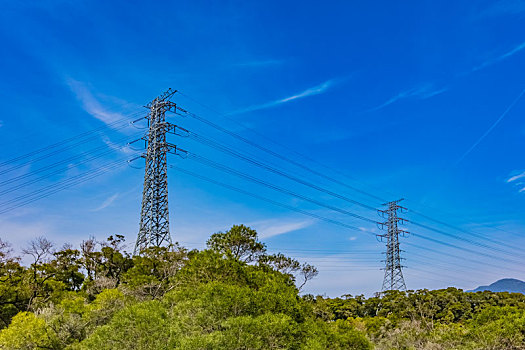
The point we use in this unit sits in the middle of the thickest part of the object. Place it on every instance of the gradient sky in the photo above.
(421, 100)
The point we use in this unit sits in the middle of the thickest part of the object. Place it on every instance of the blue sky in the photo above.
(421, 100)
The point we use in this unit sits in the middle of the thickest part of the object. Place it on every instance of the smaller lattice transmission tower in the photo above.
(393, 279)
(154, 227)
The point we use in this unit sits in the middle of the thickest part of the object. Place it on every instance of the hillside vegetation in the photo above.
(232, 295)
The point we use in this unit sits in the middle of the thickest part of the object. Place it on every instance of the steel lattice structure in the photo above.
(393, 279)
(154, 215)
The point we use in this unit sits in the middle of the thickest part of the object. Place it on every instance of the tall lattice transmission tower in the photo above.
(393, 279)
(154, 215)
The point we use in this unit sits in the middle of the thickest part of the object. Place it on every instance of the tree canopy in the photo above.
(231, 295)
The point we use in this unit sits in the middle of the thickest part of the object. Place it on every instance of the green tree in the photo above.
(153, 272)
(240, 243)
(66, 266)
(14, 297)
(140, 326)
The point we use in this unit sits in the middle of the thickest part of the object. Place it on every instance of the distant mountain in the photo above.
(510, 285)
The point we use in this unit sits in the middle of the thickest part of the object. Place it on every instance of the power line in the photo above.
(274, 154)
(57, 148)
(277, 188)
(79, 142)
(468, 232)
(253, 144)
(481, 245)
(65, 141)
(335, 222)
(295, 163)
(66, 184)
(343, 254)
(251, 178)
(92, 155)
(346, 256)
(480, 262)
(227, 150)
(233, 188)
(47, 176)
(282, 145)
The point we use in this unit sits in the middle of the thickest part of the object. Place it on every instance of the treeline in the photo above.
(432, 319)
(231, 295)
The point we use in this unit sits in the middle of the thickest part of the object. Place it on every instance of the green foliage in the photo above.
(27, 331)
(337, 335)
(66, 267)
(232, 295)
(139, 326)
(216, 315)
(268, 331)
(438, 319)
(497, 327)
(153, 272)
(239, 243)
(14, 296)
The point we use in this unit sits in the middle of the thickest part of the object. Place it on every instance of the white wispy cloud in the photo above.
(90, 104)
(501, 57)
(107, 202)
(513, 51)
(421, 92)
(503, 7)
(126, 149)
(429, 90)
(259, 63)
(316, 90)
(372, 229)
(516, 177)
(274, 227)
(520, 184)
